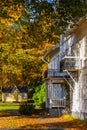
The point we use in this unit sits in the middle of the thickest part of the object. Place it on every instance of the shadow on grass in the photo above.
(10, 112)
(41, 127)
(4, 113)
(15, 112)
(69, 125)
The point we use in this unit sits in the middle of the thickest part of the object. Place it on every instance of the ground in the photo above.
(13, 119)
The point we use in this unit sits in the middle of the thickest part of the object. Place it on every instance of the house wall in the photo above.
(79, 106)
(10, 97)
(65, 45)
(54, 63)
(72, 45)
(22, 98)
(52, 103)
(77, 40)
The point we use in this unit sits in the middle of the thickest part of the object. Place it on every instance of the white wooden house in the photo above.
(68, 64)
(55, 82)
(15, 94)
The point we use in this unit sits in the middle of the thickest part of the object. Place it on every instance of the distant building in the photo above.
(15, 94)
(67, 64)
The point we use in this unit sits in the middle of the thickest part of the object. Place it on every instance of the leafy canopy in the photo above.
(26, 29)
(60, 12)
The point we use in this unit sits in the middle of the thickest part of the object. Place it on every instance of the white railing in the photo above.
(71, 64)
(58, 103)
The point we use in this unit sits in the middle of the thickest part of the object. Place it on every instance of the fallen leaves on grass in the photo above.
(37, 121)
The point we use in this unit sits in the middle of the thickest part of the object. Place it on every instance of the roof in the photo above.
(75, 26)
(51, 52)
(20, 88)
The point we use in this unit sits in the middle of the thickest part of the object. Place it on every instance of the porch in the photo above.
(57, 103)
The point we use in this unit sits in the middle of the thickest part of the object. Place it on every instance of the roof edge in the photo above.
(75, 25)
(49, 52)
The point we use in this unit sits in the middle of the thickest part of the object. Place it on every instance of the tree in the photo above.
(47, 18)
(60, 12)
(21, 54)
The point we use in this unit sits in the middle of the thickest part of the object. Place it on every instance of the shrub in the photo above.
(26, 108)
(39, 96)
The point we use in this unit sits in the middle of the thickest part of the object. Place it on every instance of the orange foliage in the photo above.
(6, 21)
(15, 11)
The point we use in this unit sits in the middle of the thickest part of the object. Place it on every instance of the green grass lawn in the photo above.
(9, 106)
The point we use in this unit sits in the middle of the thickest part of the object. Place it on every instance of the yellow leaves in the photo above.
(47, 46)
(6, 21)
(3, 20)
(1, 35)
(11, 69)
(15, 11)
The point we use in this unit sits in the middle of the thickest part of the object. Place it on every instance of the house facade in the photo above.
(15, 94)
(67, 66)
(55, 83)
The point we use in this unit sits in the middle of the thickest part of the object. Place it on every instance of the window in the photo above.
(23, 95)
(7, 94)
(57, 91)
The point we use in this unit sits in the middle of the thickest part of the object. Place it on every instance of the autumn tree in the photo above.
(47, 18)
(20, 51)
(21, 59)
(61, 13)
(27, 30)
